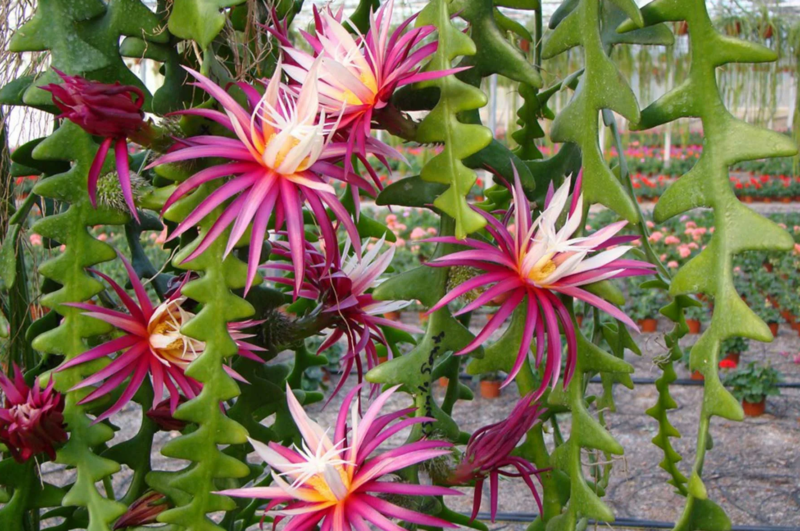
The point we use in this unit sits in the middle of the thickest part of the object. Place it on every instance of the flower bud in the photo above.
(98, 108)
(143, 511)
(162, 415)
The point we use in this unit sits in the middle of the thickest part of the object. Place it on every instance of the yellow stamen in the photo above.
(542, 270)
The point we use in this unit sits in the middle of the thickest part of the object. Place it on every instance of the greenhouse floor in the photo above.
(753, 471)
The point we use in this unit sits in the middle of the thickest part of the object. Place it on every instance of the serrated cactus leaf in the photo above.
(199, 20)
(442, 124)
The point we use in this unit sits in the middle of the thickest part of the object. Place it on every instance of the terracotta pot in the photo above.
(579, 320)
(796, 327)
(773, 327)
(443, 381)
(697, 375)
(754, 410)
(766, 200)
(789, 316)
(786, 199)
(423, 317)
(694, 326)
(648, 326)
(732, 356)
(394, 316)
(490, 388)
(747, 199)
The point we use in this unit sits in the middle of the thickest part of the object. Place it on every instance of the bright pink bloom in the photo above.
(535, 264)
(152, 343)
(488, 454)
(32, 420)
(342, 289)
(111, 111)
(359, 73)
(280, 159)
(336, 483)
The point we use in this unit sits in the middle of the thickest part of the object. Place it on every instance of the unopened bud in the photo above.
(162, 415)
(144, 511)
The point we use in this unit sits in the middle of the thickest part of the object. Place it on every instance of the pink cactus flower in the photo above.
(280, 159)
(343, 290)
(488, 454)
(337, 483)
(111, 111)
(535, 264)
(359, 74)
(153, 344)
(32, 419)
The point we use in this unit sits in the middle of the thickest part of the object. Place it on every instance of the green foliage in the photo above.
(201, 447)
(600, 86)
(728, 141)
(443, 125)
(754, 382)
(199, 20)
(68, 270)
(83, 38)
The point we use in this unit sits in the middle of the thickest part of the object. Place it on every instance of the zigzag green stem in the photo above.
(600, 87)
(219, 307)
(728, 141)
(442, 123)
(665, 402)
(68, 269)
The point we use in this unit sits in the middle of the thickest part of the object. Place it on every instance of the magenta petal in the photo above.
(101, 351)
(96, 168)
(123, 172)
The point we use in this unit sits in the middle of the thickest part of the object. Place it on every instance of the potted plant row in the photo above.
(752, 385)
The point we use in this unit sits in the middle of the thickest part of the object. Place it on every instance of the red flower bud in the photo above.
(144, 511)
(32, 421)
(162, 415)
(98, 108)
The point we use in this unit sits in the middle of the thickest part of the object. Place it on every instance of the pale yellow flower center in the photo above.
(542, 270)
(166, 339)
(370, 82)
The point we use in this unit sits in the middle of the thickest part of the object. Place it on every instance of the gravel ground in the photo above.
(753, 471)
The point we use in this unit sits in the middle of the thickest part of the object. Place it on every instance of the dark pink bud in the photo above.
(488, 454)
(162, 415)
(32, 421)
(144, 511)
(99, 108)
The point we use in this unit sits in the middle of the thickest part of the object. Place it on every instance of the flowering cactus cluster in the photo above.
(249, 264)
